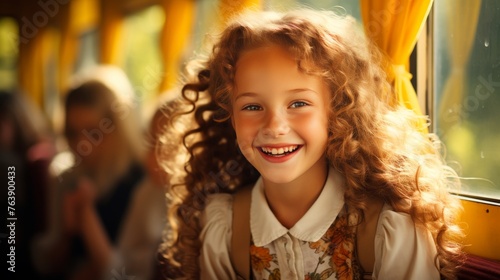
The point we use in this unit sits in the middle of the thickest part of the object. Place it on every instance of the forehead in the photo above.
(82, 115)
(270, 65)
(264, 56)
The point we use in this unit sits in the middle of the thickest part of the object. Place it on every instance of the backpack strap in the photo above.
(240, 242)
(365, 237)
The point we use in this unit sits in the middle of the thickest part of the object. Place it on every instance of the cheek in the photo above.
(244, 135)
(313, 126)
(245, 126)
(246, 131)
(316, 121)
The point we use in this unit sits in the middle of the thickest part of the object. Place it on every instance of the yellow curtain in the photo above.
(32, 61)
(111, 28)
(68, 46)
(394, 26)
(230, 8)
(461, 18)
(75, 18)
(179, 16)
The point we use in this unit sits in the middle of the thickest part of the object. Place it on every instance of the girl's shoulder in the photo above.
(215, 237)
(389, 220)
(215, 202)
(218, 211)
(393, 224)
(403, 249)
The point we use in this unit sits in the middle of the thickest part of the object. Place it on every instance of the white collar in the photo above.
(311, 227)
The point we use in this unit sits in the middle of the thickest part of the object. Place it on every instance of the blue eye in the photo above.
(252, 108)
(298, 104)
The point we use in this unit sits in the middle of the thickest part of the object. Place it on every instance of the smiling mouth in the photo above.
(279, 152)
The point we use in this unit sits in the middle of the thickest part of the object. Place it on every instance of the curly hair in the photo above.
(373, 141)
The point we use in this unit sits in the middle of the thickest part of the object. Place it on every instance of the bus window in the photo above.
(341, 6)
(88, 51)
(467, 85)
(142, 56)
(464, 82)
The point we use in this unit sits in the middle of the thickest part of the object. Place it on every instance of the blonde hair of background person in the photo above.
(396, 182)
(105, 139)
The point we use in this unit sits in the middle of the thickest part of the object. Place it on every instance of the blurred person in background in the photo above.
(91, 200)
(147, 220)
(26, 150)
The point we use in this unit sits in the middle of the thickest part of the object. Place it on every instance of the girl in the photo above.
(344, 187)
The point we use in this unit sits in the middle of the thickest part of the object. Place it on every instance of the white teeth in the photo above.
(279, 151)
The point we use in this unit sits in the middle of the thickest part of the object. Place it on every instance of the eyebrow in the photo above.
(290, 91)
(245, 94)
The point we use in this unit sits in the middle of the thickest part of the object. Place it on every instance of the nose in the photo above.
(276, 125)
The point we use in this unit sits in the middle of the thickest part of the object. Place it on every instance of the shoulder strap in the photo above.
(240, 242)
(365, 238)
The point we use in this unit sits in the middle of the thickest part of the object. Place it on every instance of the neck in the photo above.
(289, 202)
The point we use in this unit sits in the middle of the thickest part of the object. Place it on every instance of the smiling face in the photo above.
(280, 115)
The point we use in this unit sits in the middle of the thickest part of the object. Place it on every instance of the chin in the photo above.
(278, 179)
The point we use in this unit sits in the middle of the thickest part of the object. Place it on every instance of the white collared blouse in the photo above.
(402, 250)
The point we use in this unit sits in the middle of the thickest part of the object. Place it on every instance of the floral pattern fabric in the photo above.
(331, 257)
